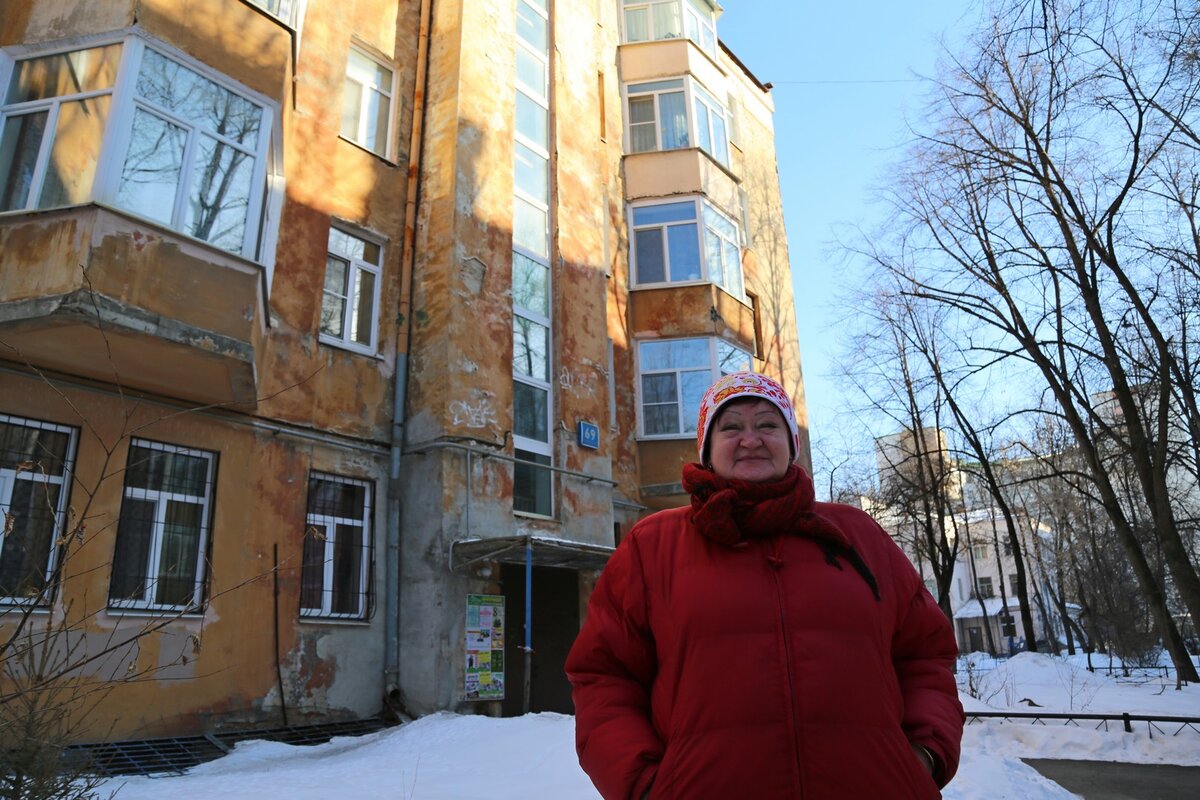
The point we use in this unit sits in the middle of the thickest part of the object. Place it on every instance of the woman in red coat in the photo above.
(756, 644)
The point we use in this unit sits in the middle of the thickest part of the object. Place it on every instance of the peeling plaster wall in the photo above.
(461, 367)
(215, 669)
(318, 407)
(312, 407)
(766, 261)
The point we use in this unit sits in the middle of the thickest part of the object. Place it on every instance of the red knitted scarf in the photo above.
(728, 511)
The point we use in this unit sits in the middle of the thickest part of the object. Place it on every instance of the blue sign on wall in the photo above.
(589, 435)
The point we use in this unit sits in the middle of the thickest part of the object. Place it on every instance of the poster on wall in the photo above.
(485, 647)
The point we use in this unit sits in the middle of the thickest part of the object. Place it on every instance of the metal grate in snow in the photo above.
(179, 753)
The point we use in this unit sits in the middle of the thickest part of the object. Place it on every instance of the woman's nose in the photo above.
(750, 437)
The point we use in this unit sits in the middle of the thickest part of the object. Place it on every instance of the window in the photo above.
(711, 129)
(533, 396)
(1007, 545)
(35, 465)
(980, 552)
(700, 26)
(1008, 626)
(162, 533)
(350, 303)
(674, 376)
(652, 20)
(367, 103)
(670, 246)
(659, 118)
(286, 11)
(985, 588)
(722, 253)
(1012, 583)
(169, 142)
(335, 577)
(531, 485)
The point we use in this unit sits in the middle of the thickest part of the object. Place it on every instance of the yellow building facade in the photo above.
(324, 326)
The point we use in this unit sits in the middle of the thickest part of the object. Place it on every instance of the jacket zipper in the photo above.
(776, 565)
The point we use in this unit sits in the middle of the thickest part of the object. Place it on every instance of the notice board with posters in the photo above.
(485, 647)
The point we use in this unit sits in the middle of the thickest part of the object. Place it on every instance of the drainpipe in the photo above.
(403, 344)
(528, 625)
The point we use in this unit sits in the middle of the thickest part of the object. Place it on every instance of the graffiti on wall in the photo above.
(477, 414)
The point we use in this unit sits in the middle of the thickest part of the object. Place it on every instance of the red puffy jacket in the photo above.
(763, 669)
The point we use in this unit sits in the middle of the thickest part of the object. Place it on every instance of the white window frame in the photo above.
(539, 96)
(355, 267)
(289, 12)
(720, 148)
(359, 138)
(118, 129)
(160, 497)
(686, 12)
(639, 91)
(538, 253)
(329, 523)
(693, 92)
(986, 589)
(704, 22)
(714, 370)
(730, 278)
(9, 478)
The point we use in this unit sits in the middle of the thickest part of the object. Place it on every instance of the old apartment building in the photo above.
(341, 342)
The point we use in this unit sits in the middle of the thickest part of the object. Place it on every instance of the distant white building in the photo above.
(984, 589)
(984, 603)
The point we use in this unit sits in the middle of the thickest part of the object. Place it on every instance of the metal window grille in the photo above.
(338, 557)
(163, 531)
(35, 467)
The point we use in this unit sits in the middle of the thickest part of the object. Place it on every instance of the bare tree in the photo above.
(1026, 207)
(918, 492)
(56, 664)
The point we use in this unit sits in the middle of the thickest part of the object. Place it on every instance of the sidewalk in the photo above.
(1107, 780)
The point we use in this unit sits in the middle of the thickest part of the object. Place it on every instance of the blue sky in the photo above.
(843, 76)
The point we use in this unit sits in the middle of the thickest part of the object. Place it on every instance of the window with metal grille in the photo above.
(35, 465)
(162, 535)
(335, 576)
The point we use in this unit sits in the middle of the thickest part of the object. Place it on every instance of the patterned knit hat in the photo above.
(744, 384)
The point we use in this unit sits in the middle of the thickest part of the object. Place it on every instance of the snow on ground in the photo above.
(450, 756)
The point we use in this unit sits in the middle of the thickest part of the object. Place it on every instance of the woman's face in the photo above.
(749, 441)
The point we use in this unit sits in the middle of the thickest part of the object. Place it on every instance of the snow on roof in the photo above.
(970, 609)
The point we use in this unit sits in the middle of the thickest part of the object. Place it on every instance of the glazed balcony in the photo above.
(669, 173)
(93, 292)
(647, 61)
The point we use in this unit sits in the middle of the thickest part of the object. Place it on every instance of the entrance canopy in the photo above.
(546, 551)
(970, 609)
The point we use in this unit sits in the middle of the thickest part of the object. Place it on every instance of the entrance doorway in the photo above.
(555, 614)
